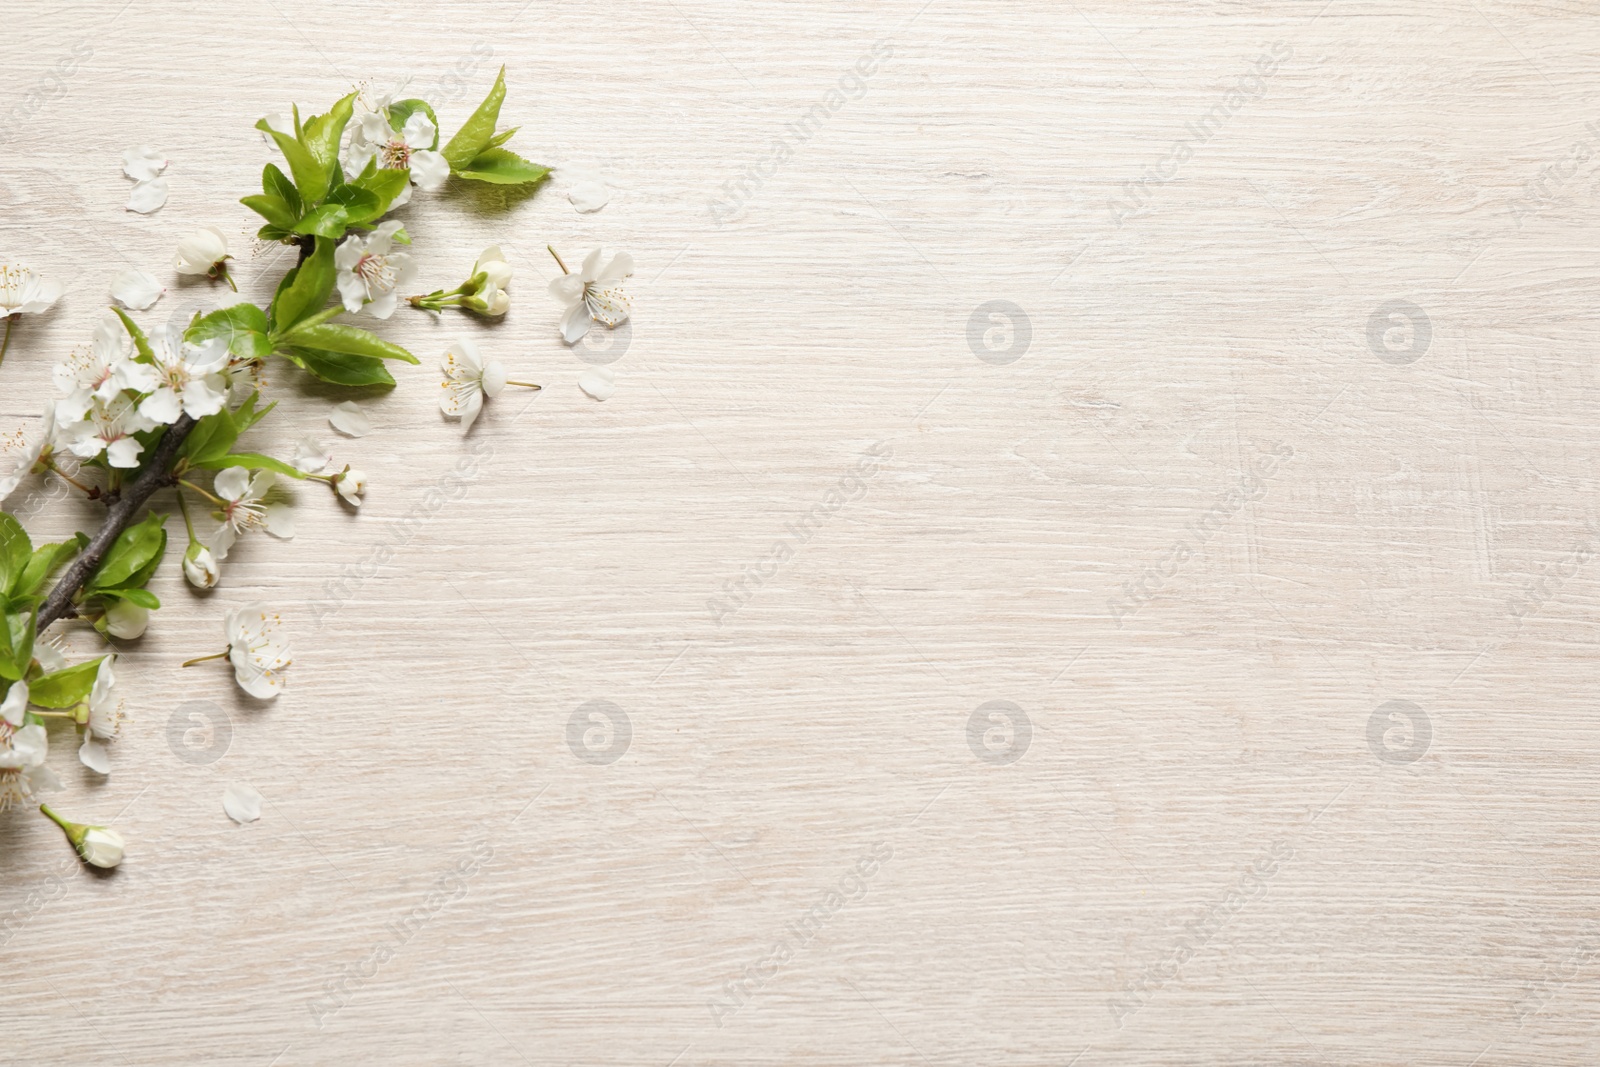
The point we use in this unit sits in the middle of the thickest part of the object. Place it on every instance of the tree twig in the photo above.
(157, 474)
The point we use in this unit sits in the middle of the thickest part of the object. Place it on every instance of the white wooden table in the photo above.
(1265, 506)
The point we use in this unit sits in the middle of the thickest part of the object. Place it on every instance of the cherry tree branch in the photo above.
(156, 475)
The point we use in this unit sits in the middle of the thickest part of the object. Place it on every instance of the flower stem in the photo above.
(560, 264)
(202, 659)
(53, 817)
(525, 385)
(11, 320)
(70, 480)
(222, 272)
(217, 500)
(183, 506)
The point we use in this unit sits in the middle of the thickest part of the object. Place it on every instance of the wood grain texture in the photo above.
(1199, 858)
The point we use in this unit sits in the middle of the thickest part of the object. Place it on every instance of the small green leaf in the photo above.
(310, 175)
(142, 597)
(501, 138)
(247, 416)
(272, 208)
(274, 183)
(337, 337)
(140, 341)
(252, 460)
(211, 438)
(16, 643)
(501, 166)
(244, 326)
(474, 135)
(133, 555)
(43, 563)
(360, 204)
(64, 688)
(340, 368)
(327, 220)
(384, 185)
(16, 549)
(321, 133)
(401, 110)
(270, 232)
(305, 290)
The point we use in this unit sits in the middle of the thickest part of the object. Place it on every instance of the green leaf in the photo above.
(328, 220)
(16, 549)
(211, 438)
(140, 341)
(272, 208)
(254, 461)
(273, 183)
(142, 597)
(501, 166)
(384, 185)
(43, 563)
(306, 289)
(401, 110)
(244, 326)
(270, 232)
(321, 133)
(501, 138)
(247, 416)
(132, 557)
(64, 688)
(474, 135)
(340, 368)
(337, 337)
(16, 643)
(360, 204)
(310, 175)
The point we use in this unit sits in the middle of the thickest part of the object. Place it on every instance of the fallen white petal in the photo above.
(350, 420)
(310, 457)
(94, 756)
(135, 289)
(143, 163)
(589, 196)
(598, 383)
(241, 802)
(148, 196)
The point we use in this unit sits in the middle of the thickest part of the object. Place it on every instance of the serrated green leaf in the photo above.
(360, 203)
(272, 208)
(337, 337)
(310, 175)
(501, 166)
(341, 368)
(16, 549)
(275, 183)
(133, 556)
(64, 688)
(305, 291)
(243, 326)
(475, 133)
(401, 110)
(140, 341)
(321, 133)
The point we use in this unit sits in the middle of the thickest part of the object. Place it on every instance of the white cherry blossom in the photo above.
(593, 294)
(258, 650)
(468, 378)
(110, 429)
(188, 377)
(409, 149)
(371, 274)
(244, 508)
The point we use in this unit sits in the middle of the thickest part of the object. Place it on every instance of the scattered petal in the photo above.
(94, 756)
(143, 163)
(136, 290)
(350, 420)
(241, 802)
(589, 196)
(598, 382)
(148, 196)
(310, 457)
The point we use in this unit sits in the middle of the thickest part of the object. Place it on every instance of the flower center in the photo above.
(376, 272)
(245, 515)
(395, 155)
